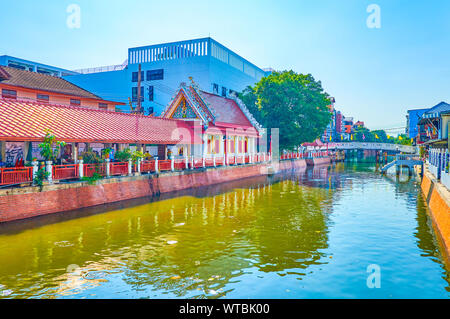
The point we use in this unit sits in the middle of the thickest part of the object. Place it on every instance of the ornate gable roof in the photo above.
(193, 100)
(212, 109)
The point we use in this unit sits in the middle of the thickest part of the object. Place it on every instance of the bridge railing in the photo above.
(372, 146)
(406, 157)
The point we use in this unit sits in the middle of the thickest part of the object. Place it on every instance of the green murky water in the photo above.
(310, 234)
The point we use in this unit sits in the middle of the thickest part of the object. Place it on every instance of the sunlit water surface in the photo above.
(309, 234)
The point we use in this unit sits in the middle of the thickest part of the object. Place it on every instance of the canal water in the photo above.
(330, 232)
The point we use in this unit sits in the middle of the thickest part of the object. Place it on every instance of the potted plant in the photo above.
(123, 156)
(47, 152)
(106, 152)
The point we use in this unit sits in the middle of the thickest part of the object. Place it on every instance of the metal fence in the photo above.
(438, 164)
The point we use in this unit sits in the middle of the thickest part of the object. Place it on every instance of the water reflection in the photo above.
(188, 246)
(206, 243)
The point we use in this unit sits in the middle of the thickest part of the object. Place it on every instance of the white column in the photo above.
(187, 161)
(49, 169)
(192, 162)
(80, 169)
(172, 163)
(214, 160)
(156, 165)
(108, 167)
(35, 168)
(75, 152)
(130, 167)
(205, 145)
(139, 166)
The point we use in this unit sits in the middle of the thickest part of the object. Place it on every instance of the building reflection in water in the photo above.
(197, 243)
(189, 246)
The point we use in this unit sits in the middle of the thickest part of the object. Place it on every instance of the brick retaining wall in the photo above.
(26, 202)
(438, 200)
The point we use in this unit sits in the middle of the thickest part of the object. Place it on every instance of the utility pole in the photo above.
(138, 109)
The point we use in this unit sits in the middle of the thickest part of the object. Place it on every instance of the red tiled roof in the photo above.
(226, 110)
(44, 82)
(27, 121)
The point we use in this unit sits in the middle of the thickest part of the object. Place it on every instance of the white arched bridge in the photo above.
(397, 148)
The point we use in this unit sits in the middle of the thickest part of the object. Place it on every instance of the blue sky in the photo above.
(374, 74)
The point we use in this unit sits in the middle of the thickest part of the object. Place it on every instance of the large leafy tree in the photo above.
(294, 103)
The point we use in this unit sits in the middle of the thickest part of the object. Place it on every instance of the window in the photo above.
(215, 88)
(21, 66)
(224, 91)
(103, 106)
(9, 94)
(150, 93)
(75, 102)
(43, 98)
(155, 74)
(134, 76)
(47, 71)
(134, 94)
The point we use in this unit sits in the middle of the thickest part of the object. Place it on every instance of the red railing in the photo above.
(209, 162)
(147, 166)
(90, 169)
(119, 168)
(198, 162)
(220, 161)
(165, 165)
(16, 175)
(179, 164)
(69, 171)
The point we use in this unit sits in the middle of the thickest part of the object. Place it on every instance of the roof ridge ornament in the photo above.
(247, 113)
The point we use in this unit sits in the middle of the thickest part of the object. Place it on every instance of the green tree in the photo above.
(294, 103)
(403, 139)
(382, 136)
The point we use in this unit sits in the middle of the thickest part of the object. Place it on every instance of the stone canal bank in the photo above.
(26, 202)
(438, 200)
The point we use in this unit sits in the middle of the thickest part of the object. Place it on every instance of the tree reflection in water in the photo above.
(200, 243)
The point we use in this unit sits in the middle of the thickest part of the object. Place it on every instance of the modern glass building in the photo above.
(215, 68)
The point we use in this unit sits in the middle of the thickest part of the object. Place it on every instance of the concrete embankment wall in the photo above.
(438, 200)
(21, 203)
(318, 161)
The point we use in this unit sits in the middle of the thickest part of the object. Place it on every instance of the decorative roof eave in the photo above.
(204, 104)
(191, 99)
(247, 113)
(171, 106)
(190, 93)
